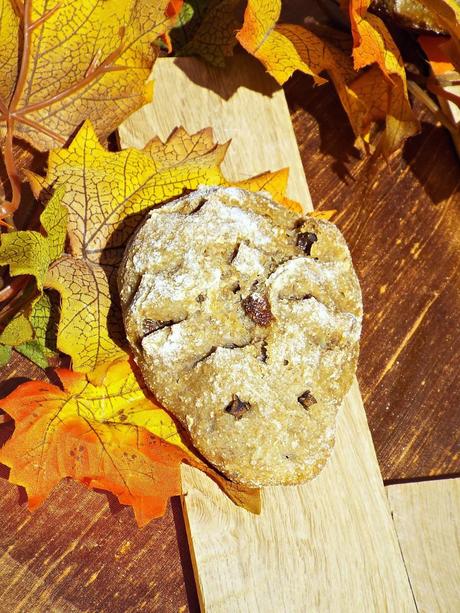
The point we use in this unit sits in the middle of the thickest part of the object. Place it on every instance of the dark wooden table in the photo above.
(82, 551)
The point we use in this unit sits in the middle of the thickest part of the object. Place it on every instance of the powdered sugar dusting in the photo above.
(202, 268)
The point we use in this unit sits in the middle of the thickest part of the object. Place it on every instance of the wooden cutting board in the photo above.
(329, 545)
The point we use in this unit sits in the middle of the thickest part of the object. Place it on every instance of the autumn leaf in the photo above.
(260, 37)
(5, 355)
(28, 252)
(448, 15)
(107, 195)
(69, 433)
(33, 351)
(31, 332)
(286, 48)
(43, 322)
(19, 330)
(63, 62)
(77, 60)
(433, 48)
(372, 41)
(42, 345)
(109, 436)
(9, 49)
(373, 44)
(214, 39)
(89, 331)
(368, 97)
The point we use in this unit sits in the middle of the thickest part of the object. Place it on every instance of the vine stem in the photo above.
(26, 292)
(435, 88)
(11, 116)
(13, 288)
(8, 208)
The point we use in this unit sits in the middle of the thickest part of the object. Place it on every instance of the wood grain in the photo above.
(83, 552)
(414, 425)
(426, 516)
(402, 223)
(330, 543)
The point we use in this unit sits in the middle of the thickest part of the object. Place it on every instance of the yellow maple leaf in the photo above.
(90, 59)
(90, 329)
(267, 43)
(214, 39)
(106, 195)
(65, 61)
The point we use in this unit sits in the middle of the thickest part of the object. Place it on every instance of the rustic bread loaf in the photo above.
(244, 319)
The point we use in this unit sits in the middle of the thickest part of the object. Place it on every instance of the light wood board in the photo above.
(427, 520)
(329, 545)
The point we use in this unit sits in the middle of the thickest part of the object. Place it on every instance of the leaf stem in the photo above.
(41, 20)
(91, 74)
(436, 89)
(40, 128)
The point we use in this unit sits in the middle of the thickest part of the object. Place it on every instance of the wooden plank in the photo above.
(403, 230)
(328, 545)
(427, 520)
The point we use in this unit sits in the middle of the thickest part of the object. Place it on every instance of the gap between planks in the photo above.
(427, 520)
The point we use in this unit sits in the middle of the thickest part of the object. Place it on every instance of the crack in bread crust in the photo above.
(260, 315)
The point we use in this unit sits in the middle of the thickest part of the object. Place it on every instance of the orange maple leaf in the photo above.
(69, 432)
(106, 432)
(434, 48)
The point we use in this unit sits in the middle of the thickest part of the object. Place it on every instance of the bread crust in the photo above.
(244, 319)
